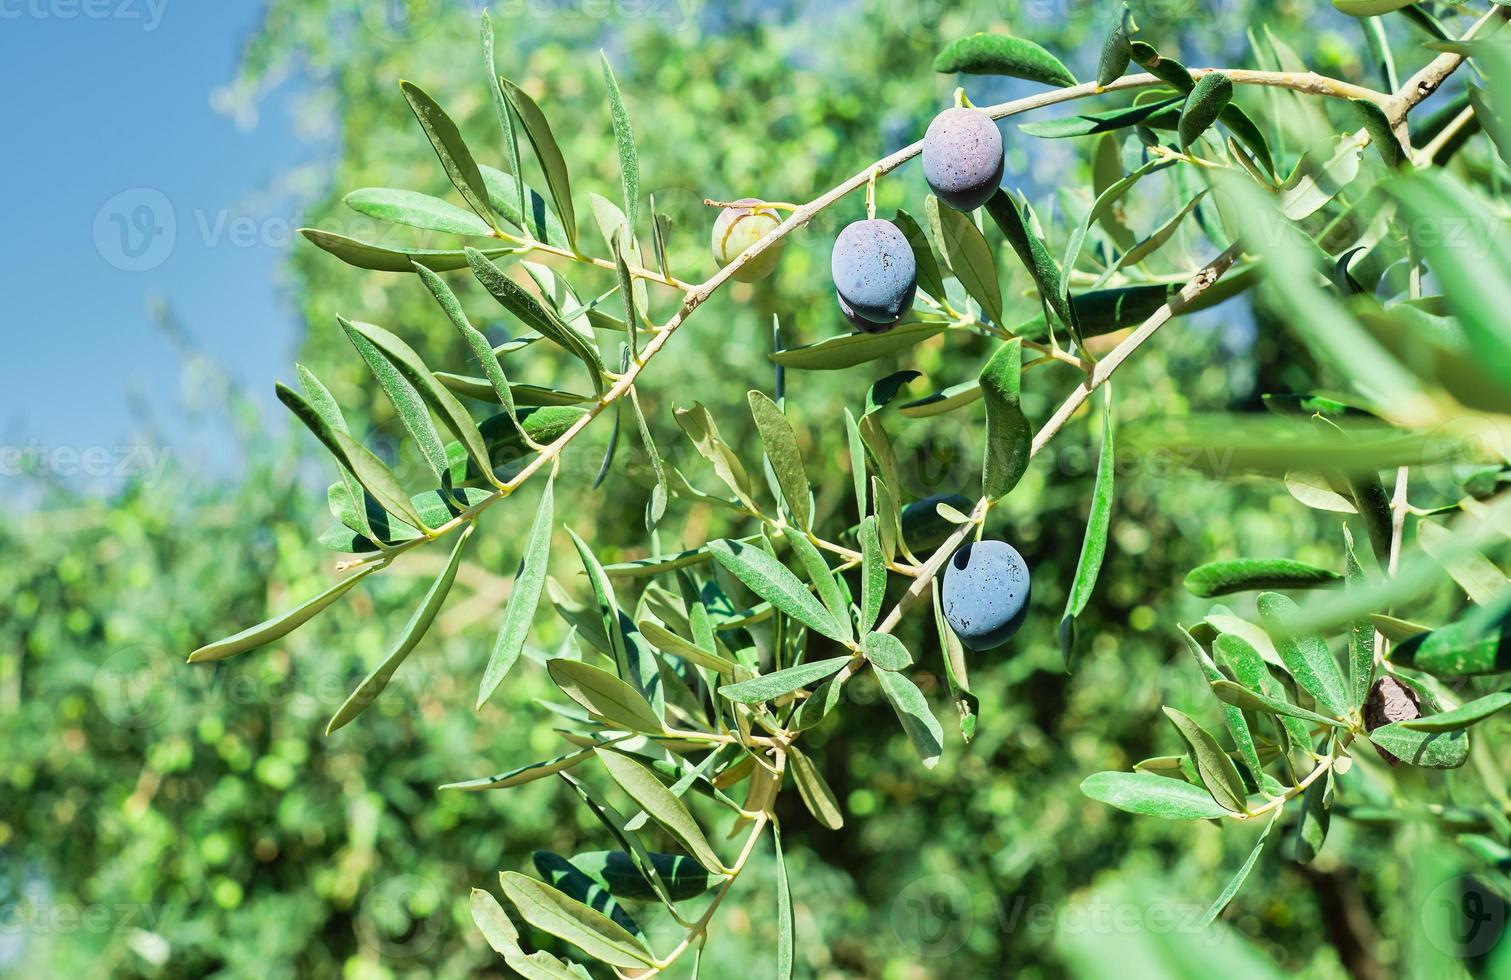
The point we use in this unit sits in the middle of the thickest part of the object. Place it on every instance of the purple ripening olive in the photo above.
(875, 275)
(985, 593)
(962, 158)
(736, 229)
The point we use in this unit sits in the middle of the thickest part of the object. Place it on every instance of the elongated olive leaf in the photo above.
(370, 471)
(1373, 504)
(655, 507)
(381, 258)
(1102, 311)
(522, 395)
(523, 599)
(1236, 882)
(1480, 579)
(494, 923)
(786, 926)
(1241, 697)
(523, 207)
(912, 709)
(1142, 249)
(873, 573)
(417, 211)
(604, 695)
(624, 139)
(668, 642)
(1000, 54)
(1009, 434)
(524, 774)
(635, 663)
(1305, 655)
(940, 402)
(968, 255)
(658, 802)
(407, 400)
(1154, 796)
(774, 685)
(770, 579)
(1102, 206)
(1470, 646)
(435, 508)
(1094, 541)
(1312, 821)
(1031, 251)
(513, 298)
(501, 110)
(414, 631)
(1086, 124)
(1427, 750)
(1204, 104)
(614, 822)
(450, 148)
(453, 415)
(1217, 771)
(1238, 726)
(888, 519)
(848, 350)
(617, 872)
(1247, 574)
(566, 877)
(482, 351)
(1167, 70)
(824, 583)
(589, 930)
(1463, 716)
(324, 405)
(887, 652)
(538, 131)
(281, 625)
(1361, 632)
(1381, 136)
(786, 458)
(704, 433)
(1116, 52)
(814, 789)
(923, 255)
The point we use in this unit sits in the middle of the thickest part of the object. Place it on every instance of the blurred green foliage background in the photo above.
(195, 820)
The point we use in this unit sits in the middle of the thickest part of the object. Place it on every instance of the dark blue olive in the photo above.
(962, 158)
(985, 593)
(874, 274)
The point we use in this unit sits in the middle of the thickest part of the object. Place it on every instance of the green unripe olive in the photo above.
(737, 228)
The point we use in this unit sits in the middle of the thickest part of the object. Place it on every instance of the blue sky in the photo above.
(123, 184)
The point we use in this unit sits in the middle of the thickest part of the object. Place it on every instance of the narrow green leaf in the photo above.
(1381, 136)
(770, 579)
(524, 774)
(1477, 575)
(913, 710)
(1313, 820)
(873, 573)
(450, 148)
(616, 870)
(1463, 716)
(848, 350)
(1305, 655)
(1115, 49)
(417, 210)
(523, 207)
(1094, 541)
(1167, 70)
(668, 642)
(887, 652)
(502, 112)
(281, 625)
(589, 930)
(1000, 54)
(1241, 697)
(818, 572)
(955, 674)
(1477, 644)
(523, 598)
(513, 298)
(1238, 726)
(786, 927)
(634, 663)
(1103, 205)
(1361, 632)
(888, 519)
(814, 789)
(538, 131)
(786, 458)
(661, 805)
(1154, 796)
(624, 139)
(769, 686)
(1034, 255)
(1009, 434)
(1428, 750)
(574, 882)
(967, 254)
(1236, 882)
(946, 400)
(614, 822)
(1217, 771)
(604, 695)
(1085, 124)
(351, 493)
(704, 433)
(493, 922)
(1247, 574)
(1236, 653)
(381, 258)
(414, 631)
(482, 351)
(655, 508)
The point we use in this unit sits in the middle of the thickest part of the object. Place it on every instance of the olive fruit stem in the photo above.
(871, 193)
(758, 206)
